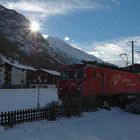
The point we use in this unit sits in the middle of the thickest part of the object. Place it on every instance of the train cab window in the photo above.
(71, 74)
(79, 74)
(67, 75)
(94, 75)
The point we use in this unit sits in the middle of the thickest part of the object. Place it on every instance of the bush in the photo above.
(133, 107)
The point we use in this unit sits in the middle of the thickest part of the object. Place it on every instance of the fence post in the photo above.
(20, 116)
(46, 112)
(52, 109)
(10, 121)
(15, 117)
(2, 118)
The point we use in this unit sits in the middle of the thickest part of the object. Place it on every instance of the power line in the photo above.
(101, 23)
(62, 30)
(137, 51)
(70, 20)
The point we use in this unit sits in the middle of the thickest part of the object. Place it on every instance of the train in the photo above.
(93, 83)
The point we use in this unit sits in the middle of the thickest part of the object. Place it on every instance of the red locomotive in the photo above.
(92, 79)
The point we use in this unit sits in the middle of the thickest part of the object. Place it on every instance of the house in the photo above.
(43, 78)
(1, 76)
(14, 75)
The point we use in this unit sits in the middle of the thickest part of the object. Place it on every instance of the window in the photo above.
(94, 75)
(67, 75)
(79, 74)
(34, 80)
(72, 75)
(139, 79)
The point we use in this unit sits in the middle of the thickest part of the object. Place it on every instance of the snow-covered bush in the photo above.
(133, 107)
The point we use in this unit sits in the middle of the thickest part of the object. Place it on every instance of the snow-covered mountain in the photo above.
(16, 28)
(18, 43)
(68, 53)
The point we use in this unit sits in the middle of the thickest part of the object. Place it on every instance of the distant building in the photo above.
(1, 76)
(43, 78)
(136, 68)
(14, 75)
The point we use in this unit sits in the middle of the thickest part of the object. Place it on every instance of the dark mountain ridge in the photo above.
(17, 42)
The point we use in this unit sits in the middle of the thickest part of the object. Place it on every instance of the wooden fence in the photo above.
(51, 112)
(10, 118)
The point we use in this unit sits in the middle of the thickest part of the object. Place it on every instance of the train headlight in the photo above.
(79, 89)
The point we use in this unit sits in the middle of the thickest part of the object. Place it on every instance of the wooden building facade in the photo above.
(43, 78)
(14, 75)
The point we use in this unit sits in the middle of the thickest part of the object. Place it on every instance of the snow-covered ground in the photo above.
(100, 125)
(13, 99)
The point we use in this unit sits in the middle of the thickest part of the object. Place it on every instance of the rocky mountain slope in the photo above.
(17, 42)
(68, 53)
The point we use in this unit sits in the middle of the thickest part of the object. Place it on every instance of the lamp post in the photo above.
(34, 28)
(38, 104)
(38, 95)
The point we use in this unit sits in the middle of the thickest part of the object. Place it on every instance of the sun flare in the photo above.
(34, 26)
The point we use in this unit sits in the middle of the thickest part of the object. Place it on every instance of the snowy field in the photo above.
(13, 99)
(100, 125)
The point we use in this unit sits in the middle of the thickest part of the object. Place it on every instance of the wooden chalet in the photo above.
(43, 78)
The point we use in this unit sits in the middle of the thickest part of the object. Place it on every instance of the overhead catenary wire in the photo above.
(54, 28)
(72, 20)
(46, 8)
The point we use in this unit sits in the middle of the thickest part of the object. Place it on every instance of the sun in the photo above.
(34, 26)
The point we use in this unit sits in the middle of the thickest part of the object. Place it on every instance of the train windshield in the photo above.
(66, 75)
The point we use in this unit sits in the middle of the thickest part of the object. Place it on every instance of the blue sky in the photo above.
(100, 27)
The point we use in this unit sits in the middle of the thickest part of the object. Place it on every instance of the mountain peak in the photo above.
(69, 53)
(2, 8)
(5, 10)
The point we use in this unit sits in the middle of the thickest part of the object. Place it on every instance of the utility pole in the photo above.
(133, 66)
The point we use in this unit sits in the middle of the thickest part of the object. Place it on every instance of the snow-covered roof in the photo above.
(51, 72)
(3, 59)
(21, 66)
